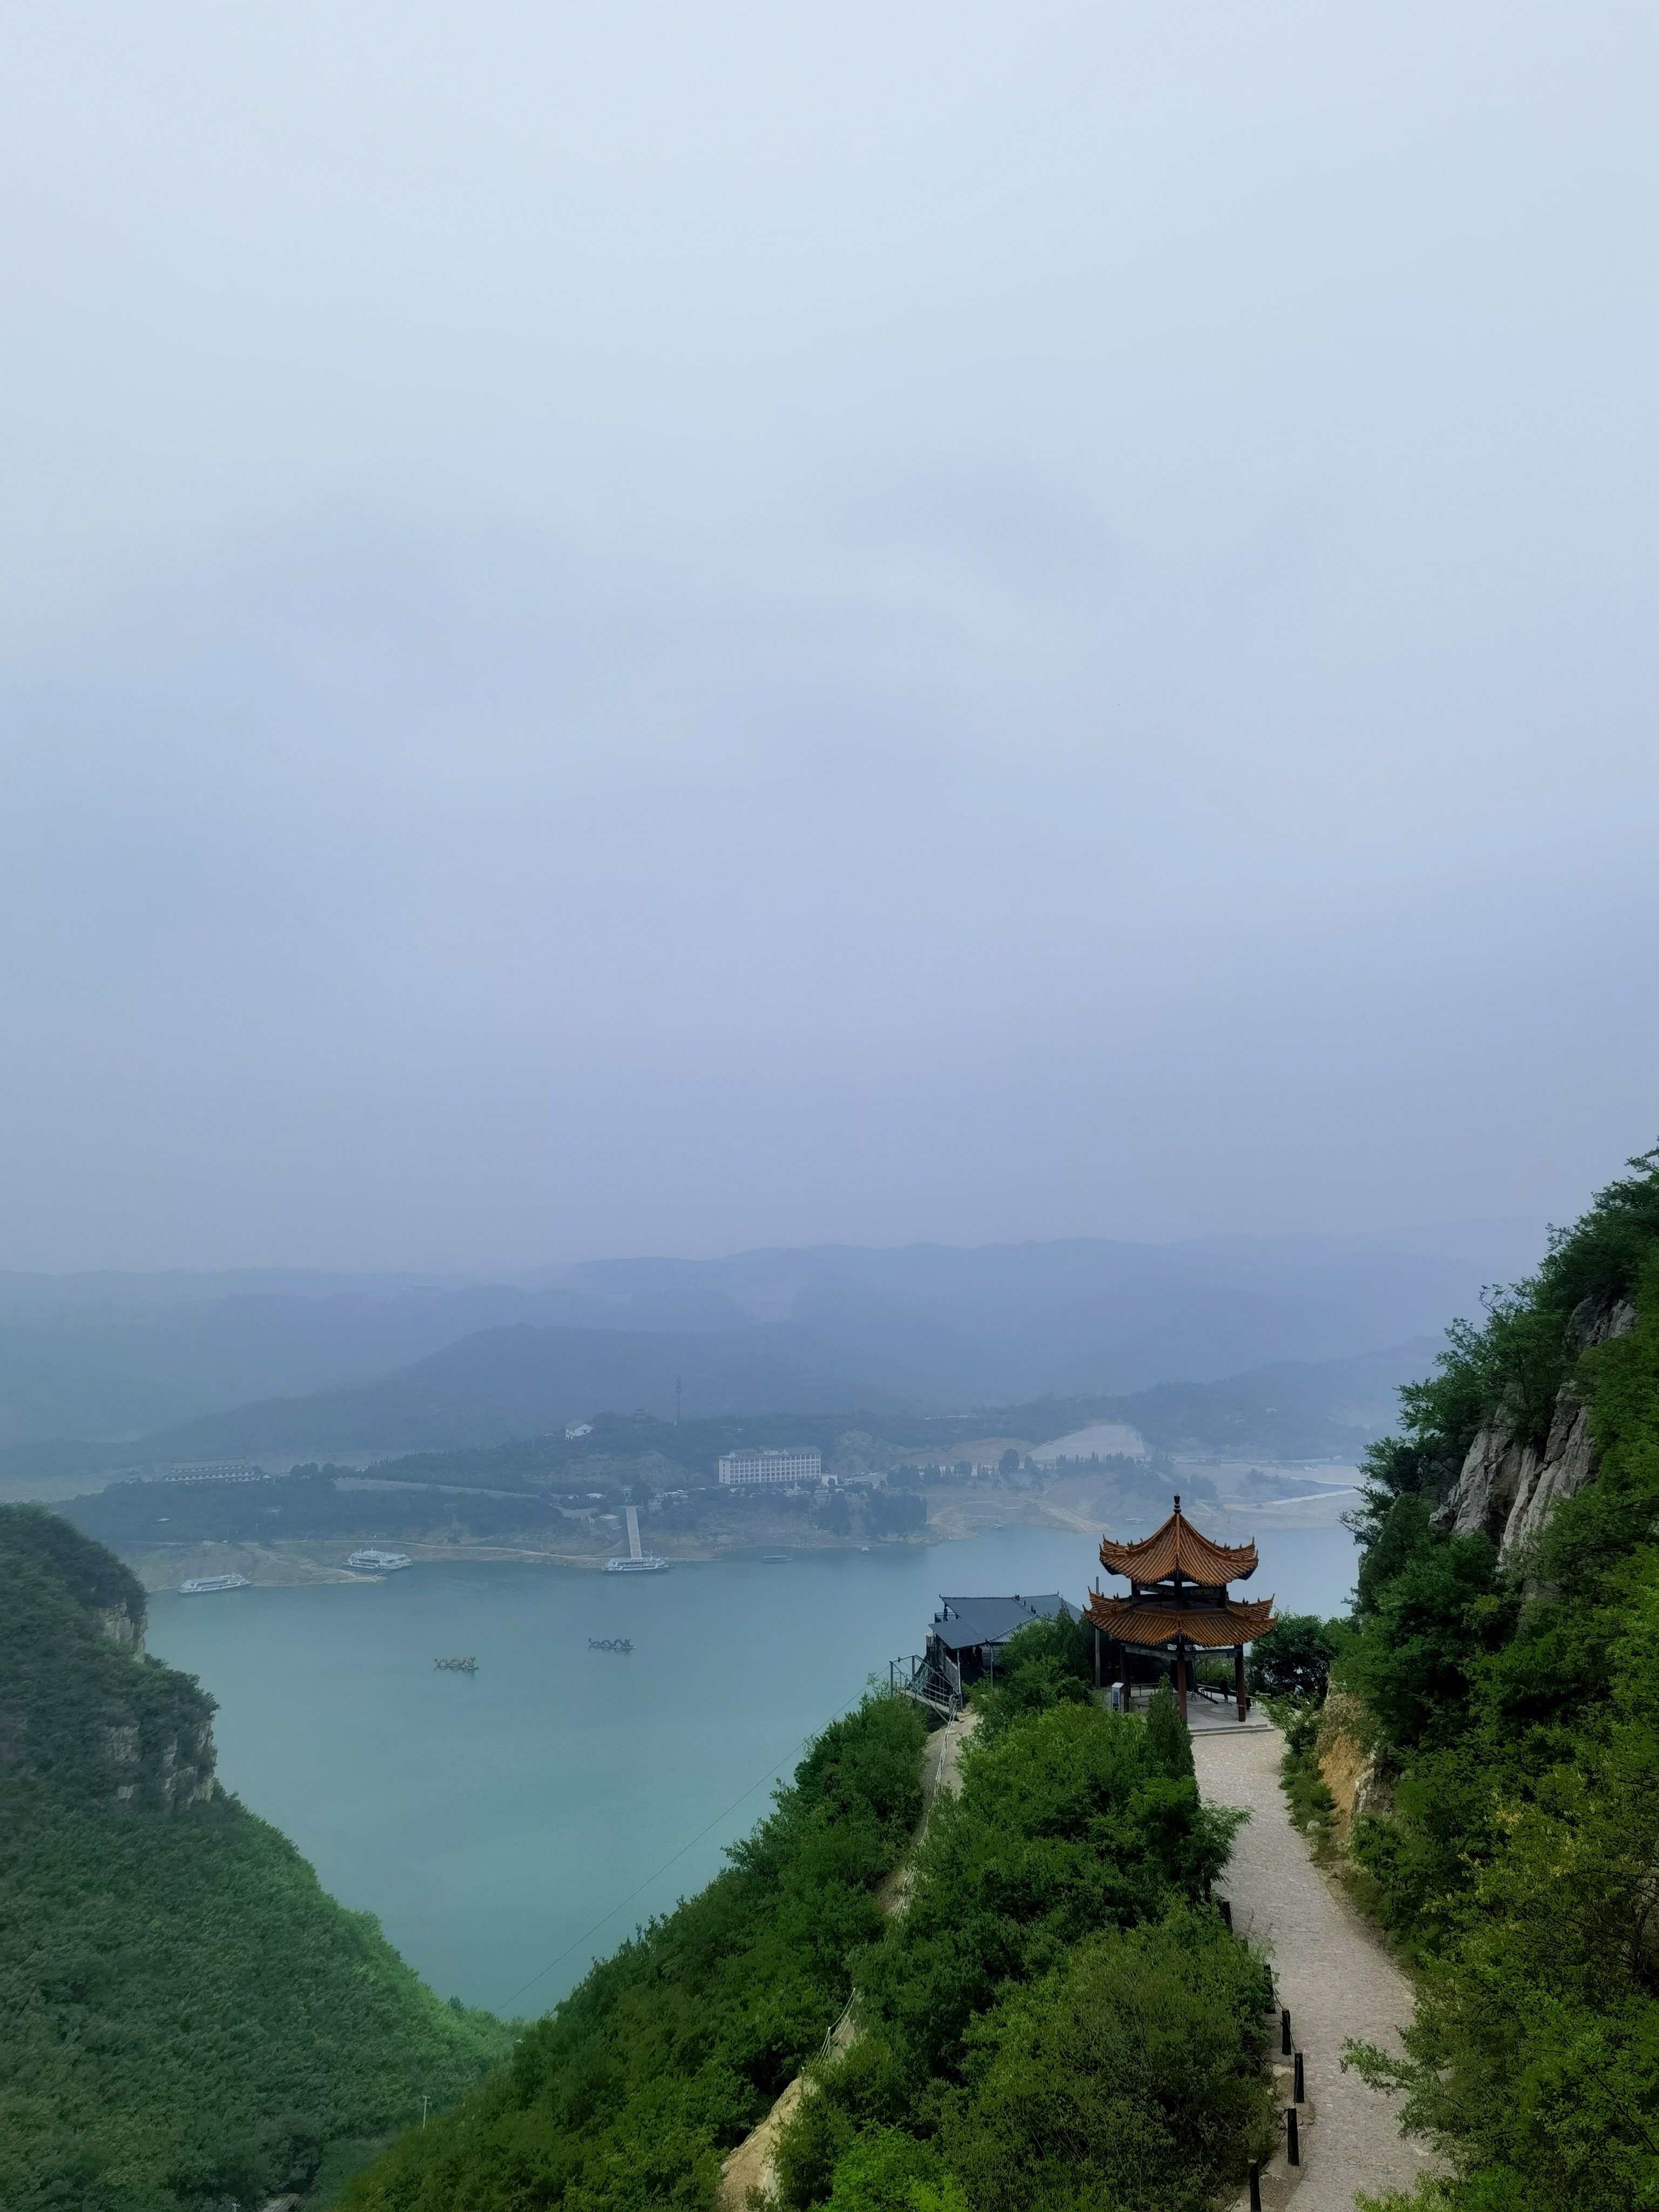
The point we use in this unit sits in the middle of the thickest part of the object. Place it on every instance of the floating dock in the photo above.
(637, 1562)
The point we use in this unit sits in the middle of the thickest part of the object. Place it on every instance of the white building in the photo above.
(771, 1466)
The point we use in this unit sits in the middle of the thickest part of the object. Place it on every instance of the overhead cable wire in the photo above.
(690, 1844)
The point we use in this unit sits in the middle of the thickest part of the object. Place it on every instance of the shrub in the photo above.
(1293, 1658)
(1129, 2075)
(1167, 1739)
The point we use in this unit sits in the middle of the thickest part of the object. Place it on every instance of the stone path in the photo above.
(1329, 1969)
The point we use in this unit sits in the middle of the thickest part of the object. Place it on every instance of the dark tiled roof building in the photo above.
(971, 1631)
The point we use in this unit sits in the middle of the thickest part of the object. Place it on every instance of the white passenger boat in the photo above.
(638, 1562)
(371, 1562)
(200, 1586)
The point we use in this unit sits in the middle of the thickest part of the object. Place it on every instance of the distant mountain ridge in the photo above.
(506, 1386)
(108, 1356)
(522, 1381)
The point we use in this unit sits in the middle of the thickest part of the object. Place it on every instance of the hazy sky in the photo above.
(667, 628)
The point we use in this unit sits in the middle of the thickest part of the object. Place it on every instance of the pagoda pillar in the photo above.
(1238, 1680)
(1181, 1677)
(1097, 1658)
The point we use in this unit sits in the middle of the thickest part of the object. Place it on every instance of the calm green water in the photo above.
(527, 1818)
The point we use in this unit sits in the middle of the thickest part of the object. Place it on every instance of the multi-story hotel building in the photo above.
(778, 1467)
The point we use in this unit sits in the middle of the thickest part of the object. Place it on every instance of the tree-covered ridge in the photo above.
(1059, 2019)
(185, 2016)
(632, 2091)
(92, 1575)
(1508, 1370)
(1058, 2010)
(1516, 1710)
(79, 1713)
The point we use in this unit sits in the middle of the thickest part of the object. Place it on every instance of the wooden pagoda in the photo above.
(1177, 1604)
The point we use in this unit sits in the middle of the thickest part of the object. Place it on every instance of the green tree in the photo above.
(1169, 1741)
(1521, 1710)
(1293, 1658)
(184, 2016)
(1414, 1664)
(887, 2169)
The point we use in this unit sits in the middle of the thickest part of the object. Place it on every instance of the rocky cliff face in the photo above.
(80, 1707)
(117, 1621)
(1507, 1489)
(1351, 1764)
(170, 1770)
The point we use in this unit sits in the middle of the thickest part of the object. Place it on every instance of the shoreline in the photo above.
(951, 1519)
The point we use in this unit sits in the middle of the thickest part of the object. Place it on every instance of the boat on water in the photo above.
(459, 1666)
(774, 1559)
(369, 1561)
(638, 1561)
(200, 1586)
(610, 1643)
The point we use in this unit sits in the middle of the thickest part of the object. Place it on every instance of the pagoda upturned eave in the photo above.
(1149, 1625)
(1177, 1551)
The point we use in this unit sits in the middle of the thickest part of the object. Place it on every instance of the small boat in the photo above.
(774, 1559)
(609, 1644)
(459, 1666)
(647, 1564)
(369, 1561)
(200, 1586)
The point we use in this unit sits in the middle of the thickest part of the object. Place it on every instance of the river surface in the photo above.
(510, 1827)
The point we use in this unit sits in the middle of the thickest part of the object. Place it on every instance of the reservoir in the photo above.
(511, 1825)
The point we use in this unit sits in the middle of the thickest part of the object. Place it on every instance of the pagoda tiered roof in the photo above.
(1178, 1548)
(1178, 1582)
(1133, 1620)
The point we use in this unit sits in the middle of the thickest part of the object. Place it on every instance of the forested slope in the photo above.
(1058, 2010)
(186, 2018)
(1508, 1709)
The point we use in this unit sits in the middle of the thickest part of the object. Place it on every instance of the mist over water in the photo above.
(493, 1822)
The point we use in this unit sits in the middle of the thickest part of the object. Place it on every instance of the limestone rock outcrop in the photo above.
(1507, 1489)
(117, 1621)
(1351, 1764)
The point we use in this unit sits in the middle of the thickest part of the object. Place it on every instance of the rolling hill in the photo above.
(113, 1357)
(523, 1381)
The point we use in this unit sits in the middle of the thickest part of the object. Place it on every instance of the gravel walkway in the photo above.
(1329, 1969)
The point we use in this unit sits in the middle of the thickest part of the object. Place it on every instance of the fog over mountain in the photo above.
(641, 630)
(927, 1326)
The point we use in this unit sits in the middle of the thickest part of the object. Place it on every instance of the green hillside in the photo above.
(185, 2016)
(1510, 1708)
(1057, 1930)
